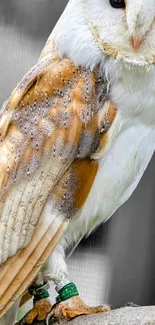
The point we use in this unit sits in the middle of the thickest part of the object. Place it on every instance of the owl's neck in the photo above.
(74, 39)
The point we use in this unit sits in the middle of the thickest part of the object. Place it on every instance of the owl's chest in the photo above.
(131, 145)
(133, 93)
(119, 173)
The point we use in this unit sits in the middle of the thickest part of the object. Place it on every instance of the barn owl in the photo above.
(77, 134)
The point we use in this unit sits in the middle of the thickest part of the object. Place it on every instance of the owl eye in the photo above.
(117, 3)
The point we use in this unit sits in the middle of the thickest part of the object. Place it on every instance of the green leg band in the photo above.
(41, 296)
(68, 291)
(39, 291)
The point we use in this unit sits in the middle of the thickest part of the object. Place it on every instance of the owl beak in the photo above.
(136, 41)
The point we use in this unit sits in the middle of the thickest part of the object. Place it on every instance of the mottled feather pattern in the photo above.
(55, 121)
(71, 192)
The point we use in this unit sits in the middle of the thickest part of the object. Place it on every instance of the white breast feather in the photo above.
(130, 147)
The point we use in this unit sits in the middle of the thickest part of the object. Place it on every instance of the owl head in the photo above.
(122, 29)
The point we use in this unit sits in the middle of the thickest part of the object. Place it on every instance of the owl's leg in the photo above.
(69, 304)
(55, 269)
(41, 302)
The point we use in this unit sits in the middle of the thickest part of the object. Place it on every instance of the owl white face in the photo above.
(126, 28)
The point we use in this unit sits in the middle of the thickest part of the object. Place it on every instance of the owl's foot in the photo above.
(42, 303)
(74, 307)
(40, 311)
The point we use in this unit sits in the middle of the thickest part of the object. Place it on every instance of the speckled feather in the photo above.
(55, 122)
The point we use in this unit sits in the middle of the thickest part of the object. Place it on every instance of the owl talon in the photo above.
(74, 307)
(40, 311)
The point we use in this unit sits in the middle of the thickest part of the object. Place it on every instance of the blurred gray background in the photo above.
(116, 264)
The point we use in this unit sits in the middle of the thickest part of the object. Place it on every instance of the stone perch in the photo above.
(121, 316)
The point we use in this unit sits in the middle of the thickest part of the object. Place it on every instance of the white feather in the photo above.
(129, 149)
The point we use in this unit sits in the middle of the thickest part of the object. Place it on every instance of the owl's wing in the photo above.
(50, 122)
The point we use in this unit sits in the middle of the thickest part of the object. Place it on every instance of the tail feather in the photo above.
(10, 317)
(26, 267)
